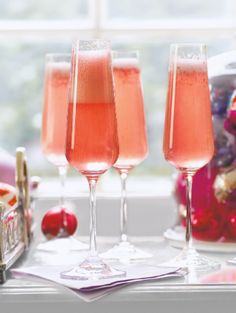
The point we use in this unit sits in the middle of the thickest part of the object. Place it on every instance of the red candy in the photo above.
(53, 223)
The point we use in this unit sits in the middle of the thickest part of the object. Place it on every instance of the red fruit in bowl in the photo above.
(207, 223)
(230, 230)
(58, 222)
(232, 116)
(182, 214)
(203, 192)
(207, 226)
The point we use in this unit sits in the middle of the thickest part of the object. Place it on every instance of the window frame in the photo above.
(98, 25)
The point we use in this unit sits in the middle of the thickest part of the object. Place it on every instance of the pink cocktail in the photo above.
(188, 121)
(57, 74)
(188, 142)
(132, 138)
(130, 113)
(53, 134)
(92, 143)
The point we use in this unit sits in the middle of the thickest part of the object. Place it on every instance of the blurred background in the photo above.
(29, 29)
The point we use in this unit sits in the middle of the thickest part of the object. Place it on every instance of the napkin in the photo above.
(90, 290)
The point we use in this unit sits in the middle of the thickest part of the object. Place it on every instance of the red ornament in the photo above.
(58, 223)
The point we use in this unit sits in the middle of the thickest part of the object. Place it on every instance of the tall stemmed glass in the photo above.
(132, 139)
(92, 144)
(188, 135)
(53, 135)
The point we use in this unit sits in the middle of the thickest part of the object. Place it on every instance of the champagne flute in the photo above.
(132, 140)
(53, 135)
(188, 134)
(92, 144)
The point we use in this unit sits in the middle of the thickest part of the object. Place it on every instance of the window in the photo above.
(44, 10)
(29, 29)
(156, 10)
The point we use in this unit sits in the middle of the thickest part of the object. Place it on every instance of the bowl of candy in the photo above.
(214, 186)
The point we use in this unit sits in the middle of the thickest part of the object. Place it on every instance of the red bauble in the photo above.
(53, 224)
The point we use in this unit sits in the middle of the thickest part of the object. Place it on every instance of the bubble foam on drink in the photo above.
(58, 66)
(126, 63)
(190, 65)
(94, 77)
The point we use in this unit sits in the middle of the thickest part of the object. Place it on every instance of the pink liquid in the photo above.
(188, 134)
(55, 112)
(130, 114)
(95, 149)
(92, 144)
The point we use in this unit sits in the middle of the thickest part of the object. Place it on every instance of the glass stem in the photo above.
(62, 174)
(93, 226)
(123, 208)
(188, 236)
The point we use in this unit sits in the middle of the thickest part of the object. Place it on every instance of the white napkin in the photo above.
(90, 290)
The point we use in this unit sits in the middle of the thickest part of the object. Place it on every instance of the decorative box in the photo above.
(15, 216)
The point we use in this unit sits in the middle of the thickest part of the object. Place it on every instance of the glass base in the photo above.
(189, 258)
(232, 261)
(62, 245)
(92, 268)
(125, 251)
